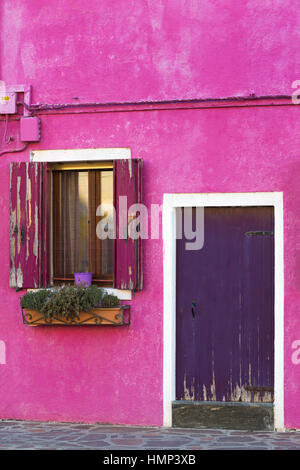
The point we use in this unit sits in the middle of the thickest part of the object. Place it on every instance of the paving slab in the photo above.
(63, 436)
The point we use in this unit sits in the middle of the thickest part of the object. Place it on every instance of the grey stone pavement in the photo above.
(20, 435)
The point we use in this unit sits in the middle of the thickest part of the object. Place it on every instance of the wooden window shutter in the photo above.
(28, 212)
(127, 251)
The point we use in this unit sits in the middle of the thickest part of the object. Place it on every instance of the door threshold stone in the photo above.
(223, 415)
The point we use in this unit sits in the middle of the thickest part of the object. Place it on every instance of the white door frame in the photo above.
(170, 203)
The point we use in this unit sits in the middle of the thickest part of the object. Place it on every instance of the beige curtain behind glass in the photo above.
(74, 221)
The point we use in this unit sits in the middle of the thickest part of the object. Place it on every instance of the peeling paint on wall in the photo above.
(2, 352)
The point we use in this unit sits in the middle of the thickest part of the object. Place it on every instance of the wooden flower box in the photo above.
(113, 316)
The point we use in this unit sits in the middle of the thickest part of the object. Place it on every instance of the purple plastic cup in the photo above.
(83, 279)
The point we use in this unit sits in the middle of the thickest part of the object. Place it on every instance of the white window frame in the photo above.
(170, 203)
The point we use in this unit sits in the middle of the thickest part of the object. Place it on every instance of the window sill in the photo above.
(121, 294)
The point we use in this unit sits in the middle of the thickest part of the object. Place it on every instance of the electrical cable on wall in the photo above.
(15, 150)
(30, 126)
(6, 141)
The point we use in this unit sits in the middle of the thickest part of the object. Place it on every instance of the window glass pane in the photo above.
(106, 197)
(76, 247)
(73, 202)
(83, 219)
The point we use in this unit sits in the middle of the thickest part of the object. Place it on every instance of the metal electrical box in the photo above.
(8, 102)
(30, 129)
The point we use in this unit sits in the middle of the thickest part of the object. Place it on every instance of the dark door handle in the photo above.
(193, 309)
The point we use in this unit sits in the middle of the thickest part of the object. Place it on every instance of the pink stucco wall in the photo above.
(145, 50)
(129, 50)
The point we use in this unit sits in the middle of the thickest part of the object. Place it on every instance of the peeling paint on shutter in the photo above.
(27, 225)
(128, 252)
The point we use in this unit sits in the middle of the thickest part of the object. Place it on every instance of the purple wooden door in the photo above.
(225, 309)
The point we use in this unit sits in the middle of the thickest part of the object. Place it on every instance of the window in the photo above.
(77, 193)
(53, 221)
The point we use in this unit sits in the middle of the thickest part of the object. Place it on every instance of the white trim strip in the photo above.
(80, 155)
(121, 294)
(170, 202)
